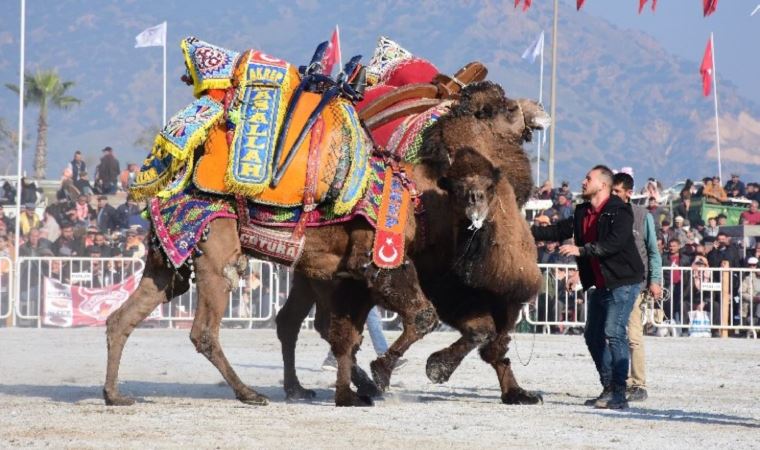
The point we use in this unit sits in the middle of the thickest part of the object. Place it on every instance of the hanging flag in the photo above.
(152, 37)
(535, 49)
(526, 4)
(706, 69)
(332, 55)
(709, 6)
(579, 4)
(643, 3)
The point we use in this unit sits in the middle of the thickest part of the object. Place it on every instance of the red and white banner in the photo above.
(67, 305)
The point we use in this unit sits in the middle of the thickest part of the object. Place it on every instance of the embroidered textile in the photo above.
(179, 221)
(210, 66)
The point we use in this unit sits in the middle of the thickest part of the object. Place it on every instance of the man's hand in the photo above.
(656, 290)
(570, 250)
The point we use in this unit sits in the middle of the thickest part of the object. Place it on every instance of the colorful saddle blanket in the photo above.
(180, 220)
(237, 121)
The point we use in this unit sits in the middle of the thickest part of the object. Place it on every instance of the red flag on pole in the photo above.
(643, 3)
(332, 55)
(709, 6)
(526, 4)
(706, 69)
(579, 4)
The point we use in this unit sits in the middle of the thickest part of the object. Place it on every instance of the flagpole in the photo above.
(340, 54)
(166, 32)
(553, 127)
(540, 100)
(21, 91)
(715, 98)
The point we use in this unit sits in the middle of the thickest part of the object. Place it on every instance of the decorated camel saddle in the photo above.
(284, 148)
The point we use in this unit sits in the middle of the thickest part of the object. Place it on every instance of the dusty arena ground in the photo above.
(704, 393)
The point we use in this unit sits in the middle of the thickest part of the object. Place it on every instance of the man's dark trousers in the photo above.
(606, 336)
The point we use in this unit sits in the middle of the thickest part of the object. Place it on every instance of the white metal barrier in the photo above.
(6, 280)
(91, 273)
(700, 300)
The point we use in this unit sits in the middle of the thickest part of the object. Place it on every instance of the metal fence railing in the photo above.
(700, 301)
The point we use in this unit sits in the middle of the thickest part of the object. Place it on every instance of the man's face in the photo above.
(753, 206)
(722, 240)
(653, 203)
(712, 222)
(82, 200)
(551, 246)
(67, 232)
(721, 220)
(77, 156)
(100, 239)
(102, 202)
(625, 194)
(708, 183)
(34, 237)
(562, 200)
(592, 184)
(674, 247)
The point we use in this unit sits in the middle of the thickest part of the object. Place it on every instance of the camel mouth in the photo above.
(477, 218)
(541, 121)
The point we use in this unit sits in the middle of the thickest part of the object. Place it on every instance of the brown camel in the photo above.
(479, 282)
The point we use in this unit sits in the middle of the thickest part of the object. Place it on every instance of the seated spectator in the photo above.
(545, 192)
(563, 190)
(713, 193)
(735, 185)
(680, 232)
(563, 207)
(723, 251)
(28, 219)
(30, 192)
(106, 215)
(8, 194)
(68, 190)
(101, 245)
(10, 222)
(83, 184)
(750, 293)
(549, 253)
(67, 244)
(128, 175)
(32, 247)
(84, 212)
(722, 220)
(752, 215)
(134, 248)
(654, 209)
(753, 191)
(666, 233)
(711, 230)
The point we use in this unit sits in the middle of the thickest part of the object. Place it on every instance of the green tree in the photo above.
(45, 88)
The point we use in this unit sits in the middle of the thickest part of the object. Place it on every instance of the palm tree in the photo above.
(45, 88)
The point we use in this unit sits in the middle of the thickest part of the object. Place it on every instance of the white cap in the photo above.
(752, 260)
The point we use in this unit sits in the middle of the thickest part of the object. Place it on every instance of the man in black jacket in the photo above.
(607, 259)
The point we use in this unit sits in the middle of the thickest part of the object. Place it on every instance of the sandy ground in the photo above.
(704, 393)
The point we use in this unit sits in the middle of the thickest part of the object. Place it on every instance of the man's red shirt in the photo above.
(591, 234)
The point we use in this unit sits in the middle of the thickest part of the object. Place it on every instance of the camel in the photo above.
(479, 282)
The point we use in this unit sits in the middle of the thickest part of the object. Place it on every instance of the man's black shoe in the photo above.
(636, 394)
(616, 400)
(606, 392)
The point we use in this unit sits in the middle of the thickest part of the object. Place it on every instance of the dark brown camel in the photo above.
(479, 282)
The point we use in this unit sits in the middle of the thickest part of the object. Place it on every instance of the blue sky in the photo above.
(91, 42)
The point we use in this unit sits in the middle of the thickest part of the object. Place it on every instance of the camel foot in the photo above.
(438, 368)
(298, 392)
(252, 397)
(520, 396)
(117, 399)
(381, 373)
(350, 398)
(364, 384)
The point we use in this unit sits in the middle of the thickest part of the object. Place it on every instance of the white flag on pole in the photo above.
(152, 37)
(535, 49)
(757, 8)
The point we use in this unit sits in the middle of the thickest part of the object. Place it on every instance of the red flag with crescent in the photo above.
(388, 250)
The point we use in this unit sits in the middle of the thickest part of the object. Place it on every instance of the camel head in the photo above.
(471, 183)
(486, 121)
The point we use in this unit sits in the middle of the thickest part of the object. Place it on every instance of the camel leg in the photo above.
(399, 290)
(217, 272)
(475, 332)
(350, 306)
(493, 352)
(158, 284)
(294, 311)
